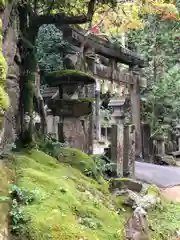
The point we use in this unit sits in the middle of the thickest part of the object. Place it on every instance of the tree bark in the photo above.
(62, 19)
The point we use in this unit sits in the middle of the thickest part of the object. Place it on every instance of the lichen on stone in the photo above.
(153, 190)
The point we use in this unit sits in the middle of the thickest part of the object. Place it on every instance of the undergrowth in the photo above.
(165, 221)
(5, 177)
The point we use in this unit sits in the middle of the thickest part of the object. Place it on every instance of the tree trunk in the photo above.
(41, 107)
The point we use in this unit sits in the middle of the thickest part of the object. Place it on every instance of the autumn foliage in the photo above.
(129, 14)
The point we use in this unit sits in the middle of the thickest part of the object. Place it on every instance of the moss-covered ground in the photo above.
(68, 205)
(164, 221)
(5, 178)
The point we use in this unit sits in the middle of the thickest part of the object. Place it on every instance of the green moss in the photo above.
(68, 77)
(5, 177)
(4, 99)
(165, 221)
(153, 190)
(68, 205)
(67, 73)
(79, 160)
(124, 179)
(3, 3)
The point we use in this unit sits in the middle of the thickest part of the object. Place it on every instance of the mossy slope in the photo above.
(79, 160)
(68, 205)
(165, 221)
(5, 177)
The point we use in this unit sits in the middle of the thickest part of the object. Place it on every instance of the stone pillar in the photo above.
(61, 119)
(117, 134)
(117, 148)
(132, 152)
(146, 142)
(129, 151)
(97, 101)
(160, 146)
(178, 136)
(135, 109)
(126, 151)
(178, 139)
(97, 114)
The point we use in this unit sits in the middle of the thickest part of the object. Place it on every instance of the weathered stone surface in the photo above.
(10, 51)
(148, 201)
(70, 107)
(134, 200)
(165, 160)
(79, 131)
(123, 183)
(75, 133)
(137, 226)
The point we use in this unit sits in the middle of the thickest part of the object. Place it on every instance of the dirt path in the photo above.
(172, 193)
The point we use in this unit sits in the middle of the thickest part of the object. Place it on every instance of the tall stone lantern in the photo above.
(67, 107)
(117, 140)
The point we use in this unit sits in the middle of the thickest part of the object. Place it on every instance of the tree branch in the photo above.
(62, 19)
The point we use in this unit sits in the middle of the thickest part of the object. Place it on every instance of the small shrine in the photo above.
(118, 108)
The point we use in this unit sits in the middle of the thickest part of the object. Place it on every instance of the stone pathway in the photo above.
(162, 176)
(165, 177)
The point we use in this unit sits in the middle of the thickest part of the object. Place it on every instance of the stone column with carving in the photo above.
(129, 151)
(135, 108)
(117, 135)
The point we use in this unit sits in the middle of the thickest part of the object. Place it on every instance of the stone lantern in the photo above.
(118, 109)
(65, 106)
(160, 143)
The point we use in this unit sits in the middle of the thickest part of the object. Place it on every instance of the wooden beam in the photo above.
(76, 36)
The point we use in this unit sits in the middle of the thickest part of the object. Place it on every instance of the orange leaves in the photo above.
(167, 11)
(128, 14)
(169, 16)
